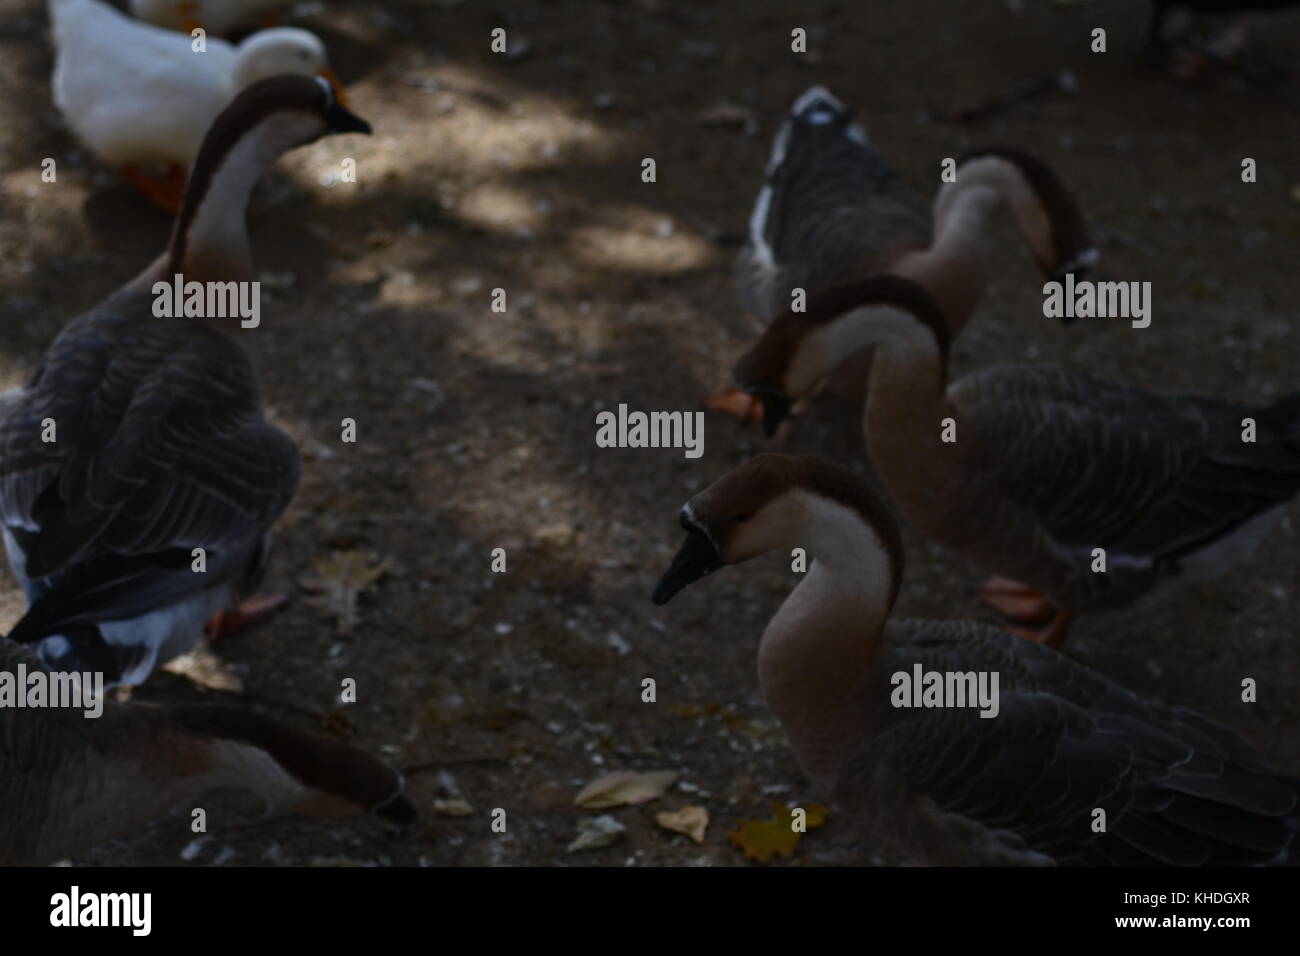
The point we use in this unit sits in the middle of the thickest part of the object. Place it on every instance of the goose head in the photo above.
(779, 502)
(282, 50)
(799, 349)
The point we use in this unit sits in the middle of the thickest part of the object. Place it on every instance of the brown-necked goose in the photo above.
(1028, 470)
(832, 211)
(161, 446)
(943, 784)
(69, 782)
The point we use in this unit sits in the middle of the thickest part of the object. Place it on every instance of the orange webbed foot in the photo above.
(1053, 635)
(166, 191)
(1016, 601)
(737, 404)
(253, 611)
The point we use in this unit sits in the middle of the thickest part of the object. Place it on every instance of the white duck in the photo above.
(141, 97)
(215, 16)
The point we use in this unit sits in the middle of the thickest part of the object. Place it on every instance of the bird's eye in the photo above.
(742, 517)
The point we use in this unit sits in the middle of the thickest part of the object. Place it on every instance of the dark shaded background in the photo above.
(477, 429)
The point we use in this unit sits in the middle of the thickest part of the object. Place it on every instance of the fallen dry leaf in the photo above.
(597, 832)
(624, 787)
(453, 807)
(763, 839)
(692, 821)
(205, 669)
(340, 579)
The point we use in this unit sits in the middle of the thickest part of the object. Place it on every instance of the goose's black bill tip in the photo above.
(775, 410)
(696, 558)
(340, 119)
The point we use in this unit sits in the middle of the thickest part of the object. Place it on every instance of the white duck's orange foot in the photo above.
(735, 403)
(165, 191)
(1053, 635)
(253, 611)
(1016, 601)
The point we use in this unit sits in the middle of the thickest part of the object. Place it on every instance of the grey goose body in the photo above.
(830, 209)
(162, 448)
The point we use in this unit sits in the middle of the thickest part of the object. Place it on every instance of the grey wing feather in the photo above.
(1176, 787)
(161, 443)
(1103, 465)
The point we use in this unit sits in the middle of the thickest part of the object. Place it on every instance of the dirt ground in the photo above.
(476, 429)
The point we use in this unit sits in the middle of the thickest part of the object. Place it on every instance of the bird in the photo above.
(69, 781)
(832, 211)
(1091, 493)
(141, 98)
(214, 16)
(139, 477)
(1014, 753)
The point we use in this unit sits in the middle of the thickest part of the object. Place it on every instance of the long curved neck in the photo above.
(824, 640)
(955, 267)
(909, 364)
(210, 239)
(908, 426)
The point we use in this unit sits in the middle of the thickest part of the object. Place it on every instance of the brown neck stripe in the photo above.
(1069, 230)
(245, 112)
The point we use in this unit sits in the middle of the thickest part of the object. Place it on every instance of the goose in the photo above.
(831, 211)
(160, 446)
(140, 98)
(945, 785)
(69, 782)
(215, 16)
(1036, 472)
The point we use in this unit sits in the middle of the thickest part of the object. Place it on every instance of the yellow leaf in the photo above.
(692, 821)
(340, 580)
(624, 787)
(762, 840)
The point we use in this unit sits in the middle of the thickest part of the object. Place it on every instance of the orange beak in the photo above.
(340, 94)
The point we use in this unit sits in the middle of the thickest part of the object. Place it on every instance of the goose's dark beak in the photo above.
(696, 558)
(340, 119)
(775, 409)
